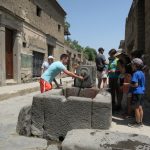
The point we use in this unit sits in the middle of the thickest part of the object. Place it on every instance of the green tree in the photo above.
(90, 53)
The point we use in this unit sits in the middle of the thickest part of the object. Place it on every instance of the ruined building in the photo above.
(137, 34)
(30, 30)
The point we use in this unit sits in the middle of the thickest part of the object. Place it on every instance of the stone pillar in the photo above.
(2, 56)
(17, 56)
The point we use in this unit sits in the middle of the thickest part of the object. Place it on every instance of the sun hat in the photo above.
(137, 61)
(50, 57)
(119, 52)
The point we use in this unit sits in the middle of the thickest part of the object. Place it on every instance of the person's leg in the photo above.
(99, 77)
(137, 114)
(104, 82)
(48, 86)
(129, 105)
(119, 93)
(141, 114)
(42, 85)
(112, 90)
(99, 83)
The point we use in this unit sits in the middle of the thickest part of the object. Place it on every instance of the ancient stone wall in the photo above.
(131, 30)
(147, 45)
(49, 20)
(147, 27)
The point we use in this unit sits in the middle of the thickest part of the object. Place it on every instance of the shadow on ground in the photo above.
(118, 118)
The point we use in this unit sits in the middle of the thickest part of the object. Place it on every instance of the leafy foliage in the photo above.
(89, 53)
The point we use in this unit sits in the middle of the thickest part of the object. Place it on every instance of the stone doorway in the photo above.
(9, 53)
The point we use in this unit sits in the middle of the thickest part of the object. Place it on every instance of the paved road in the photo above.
(9, 139)
(9, 110)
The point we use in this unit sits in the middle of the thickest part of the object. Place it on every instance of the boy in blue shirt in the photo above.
(53, 70)
(138, 89)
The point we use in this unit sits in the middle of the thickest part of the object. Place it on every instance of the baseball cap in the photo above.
(50, 57)
(137, 61)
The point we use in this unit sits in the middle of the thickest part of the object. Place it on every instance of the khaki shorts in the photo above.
(101, 74)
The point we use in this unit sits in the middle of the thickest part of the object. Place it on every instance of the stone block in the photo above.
(73, 91)
(89, 72)
(38, 111)
(102, 111)
(55, 123)
(37, 116)
(104, 140)
(62, 115)
(78, 112)
(24, 121)
(53, 147)
(86, 92)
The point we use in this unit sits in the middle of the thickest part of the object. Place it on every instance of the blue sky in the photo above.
(97, 23)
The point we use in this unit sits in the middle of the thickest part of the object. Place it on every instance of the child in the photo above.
(138, 89)
(126, 100)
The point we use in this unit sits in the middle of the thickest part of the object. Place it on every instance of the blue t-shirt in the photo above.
(53, 70)
(138, 77)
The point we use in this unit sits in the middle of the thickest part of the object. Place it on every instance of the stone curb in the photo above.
(6, 96)
(22, 92)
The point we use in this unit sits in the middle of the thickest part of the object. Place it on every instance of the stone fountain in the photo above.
(54, 113)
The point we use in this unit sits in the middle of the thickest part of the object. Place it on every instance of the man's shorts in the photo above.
(101, 74)
(45, 86)
(137, 100)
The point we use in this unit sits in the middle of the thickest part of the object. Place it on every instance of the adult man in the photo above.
(45, 66)
(101, 68)
(53, 70)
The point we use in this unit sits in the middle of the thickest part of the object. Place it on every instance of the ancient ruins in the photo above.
(58, 111)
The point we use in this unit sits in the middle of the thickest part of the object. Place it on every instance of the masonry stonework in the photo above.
(37, 29)
(137, 35)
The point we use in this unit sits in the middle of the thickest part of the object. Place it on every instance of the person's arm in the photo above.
(56, 83)
(134, 81)
(134, 85)
(72, 74)
(42, 68)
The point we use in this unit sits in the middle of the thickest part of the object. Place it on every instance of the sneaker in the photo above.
(135, 125)
(141, 123)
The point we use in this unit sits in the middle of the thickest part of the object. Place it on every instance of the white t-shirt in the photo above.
(45, 66)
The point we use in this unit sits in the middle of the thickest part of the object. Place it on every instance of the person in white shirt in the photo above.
(46, 64)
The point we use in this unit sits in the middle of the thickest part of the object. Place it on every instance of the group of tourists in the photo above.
(124, 73)
(126, 82)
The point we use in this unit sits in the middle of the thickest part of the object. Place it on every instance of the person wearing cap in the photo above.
(138, 90)
(45, 66)
(101, 68)
(53, 70)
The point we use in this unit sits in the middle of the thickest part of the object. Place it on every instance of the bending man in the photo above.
(53, 70)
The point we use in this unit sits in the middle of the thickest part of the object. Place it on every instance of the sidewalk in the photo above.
(10, 91)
